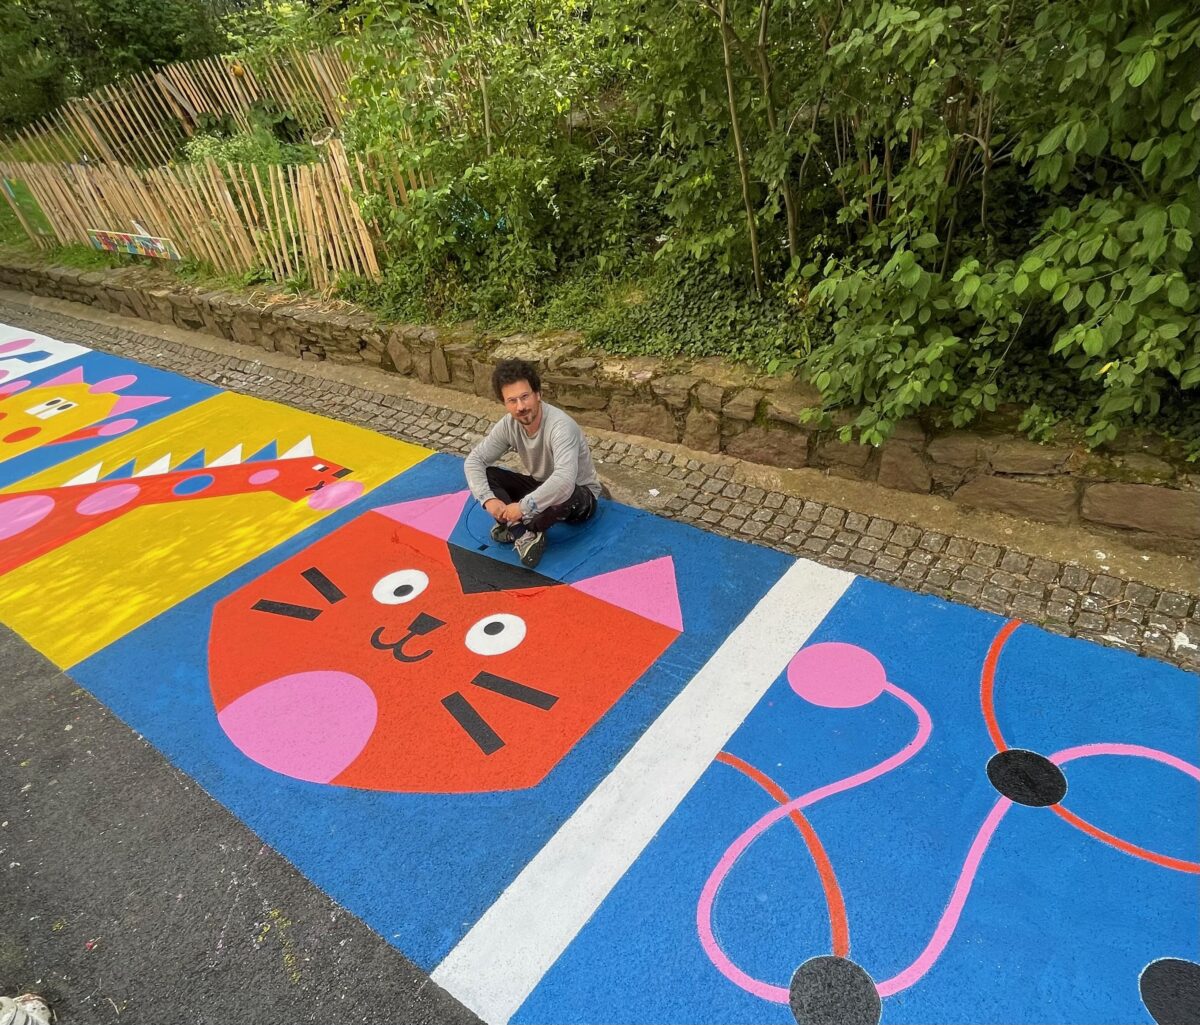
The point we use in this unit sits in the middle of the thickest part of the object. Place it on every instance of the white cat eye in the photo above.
(399, 587)
(496, 634)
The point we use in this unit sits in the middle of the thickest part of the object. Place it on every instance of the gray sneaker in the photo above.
(529, 547)
(502, 534)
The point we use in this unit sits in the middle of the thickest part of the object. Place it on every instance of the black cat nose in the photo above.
(423, 624)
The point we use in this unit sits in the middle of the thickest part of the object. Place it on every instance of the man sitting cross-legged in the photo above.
(560, 481)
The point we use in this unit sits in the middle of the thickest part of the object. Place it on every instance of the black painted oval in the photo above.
(830, 990)
(1170, 989)
(1026, 777)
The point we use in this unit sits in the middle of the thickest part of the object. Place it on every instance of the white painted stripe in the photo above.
(505, 954)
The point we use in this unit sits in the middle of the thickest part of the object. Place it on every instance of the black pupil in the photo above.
(403, 590)
(493, 628)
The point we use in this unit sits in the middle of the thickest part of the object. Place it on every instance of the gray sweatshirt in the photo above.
(557, 455)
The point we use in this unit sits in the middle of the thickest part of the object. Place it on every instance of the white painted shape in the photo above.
(55, 352)
(230, 458)
(301, 450)
(500, 961)
(89, 476)
(161, 465)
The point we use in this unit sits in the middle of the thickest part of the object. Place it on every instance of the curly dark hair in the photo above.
(510, 371)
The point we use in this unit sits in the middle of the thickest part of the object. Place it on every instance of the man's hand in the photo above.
(502, 513)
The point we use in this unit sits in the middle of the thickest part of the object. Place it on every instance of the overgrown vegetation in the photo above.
(920, 206)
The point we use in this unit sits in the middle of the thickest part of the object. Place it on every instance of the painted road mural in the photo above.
(668, 777)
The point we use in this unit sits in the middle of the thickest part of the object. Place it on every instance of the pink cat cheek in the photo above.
(310, 726)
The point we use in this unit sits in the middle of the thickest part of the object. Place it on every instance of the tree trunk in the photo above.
(743, 169)
(764, 71)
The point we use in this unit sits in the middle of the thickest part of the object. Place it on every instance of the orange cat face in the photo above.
(384, 658)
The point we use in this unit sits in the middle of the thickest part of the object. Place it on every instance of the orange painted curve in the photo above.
(1179, 864)
(987, 683)
(839, 925)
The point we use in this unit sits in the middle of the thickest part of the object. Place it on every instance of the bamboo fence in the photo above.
(144, 119)
(293, 221)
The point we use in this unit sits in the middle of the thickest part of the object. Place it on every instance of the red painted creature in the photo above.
(384, 658)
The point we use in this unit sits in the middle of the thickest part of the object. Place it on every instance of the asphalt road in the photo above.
(128, 895)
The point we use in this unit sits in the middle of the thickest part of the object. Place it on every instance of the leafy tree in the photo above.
(54, 49)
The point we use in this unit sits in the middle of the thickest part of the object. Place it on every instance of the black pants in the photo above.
(510, 487)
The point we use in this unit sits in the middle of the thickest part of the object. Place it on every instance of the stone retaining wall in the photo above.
(1138, 486)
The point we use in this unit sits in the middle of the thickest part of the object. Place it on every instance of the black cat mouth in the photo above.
(423, 624)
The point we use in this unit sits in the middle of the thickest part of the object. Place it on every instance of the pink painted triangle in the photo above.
(73, 376)
(128, 403)
(437, 515)
(648, 589)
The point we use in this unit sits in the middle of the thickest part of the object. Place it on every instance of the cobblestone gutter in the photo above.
(1137, 488)
(1060, 596)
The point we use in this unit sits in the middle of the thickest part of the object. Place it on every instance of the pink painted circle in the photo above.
(263, 476)
(836, 675)
(19, 514)
(336, 495)
(108, 499)
(307, 725)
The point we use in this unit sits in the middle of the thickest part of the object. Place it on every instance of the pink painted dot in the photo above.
(836, 675)
(336, 495)
(19, 514)
(108, 499)
(309, 726)
(108, 430)
(16, 345)
(263, 476)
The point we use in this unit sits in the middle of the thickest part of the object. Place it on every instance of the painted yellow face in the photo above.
(43, 415)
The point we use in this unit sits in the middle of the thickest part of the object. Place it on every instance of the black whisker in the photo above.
(516, 691)
(486, 738)
(324, 586)
(285, 608)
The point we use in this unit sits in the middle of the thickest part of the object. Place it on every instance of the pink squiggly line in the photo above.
(962, 887)
(1130, 750)
(949, 920)
(708, 940)
(958, 898)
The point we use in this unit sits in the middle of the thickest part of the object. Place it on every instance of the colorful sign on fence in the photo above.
(134, 245)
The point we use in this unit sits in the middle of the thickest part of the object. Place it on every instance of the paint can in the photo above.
(27, 1009)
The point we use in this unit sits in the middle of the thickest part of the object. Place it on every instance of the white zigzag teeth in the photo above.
(230, 458)
(303, 449)
(89, 476)
(160, 465)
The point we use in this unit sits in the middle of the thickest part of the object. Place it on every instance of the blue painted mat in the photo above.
(1057, 925)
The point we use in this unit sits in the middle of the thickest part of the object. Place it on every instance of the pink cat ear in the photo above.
(647, 589)
(437, 516)
(73, 376)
